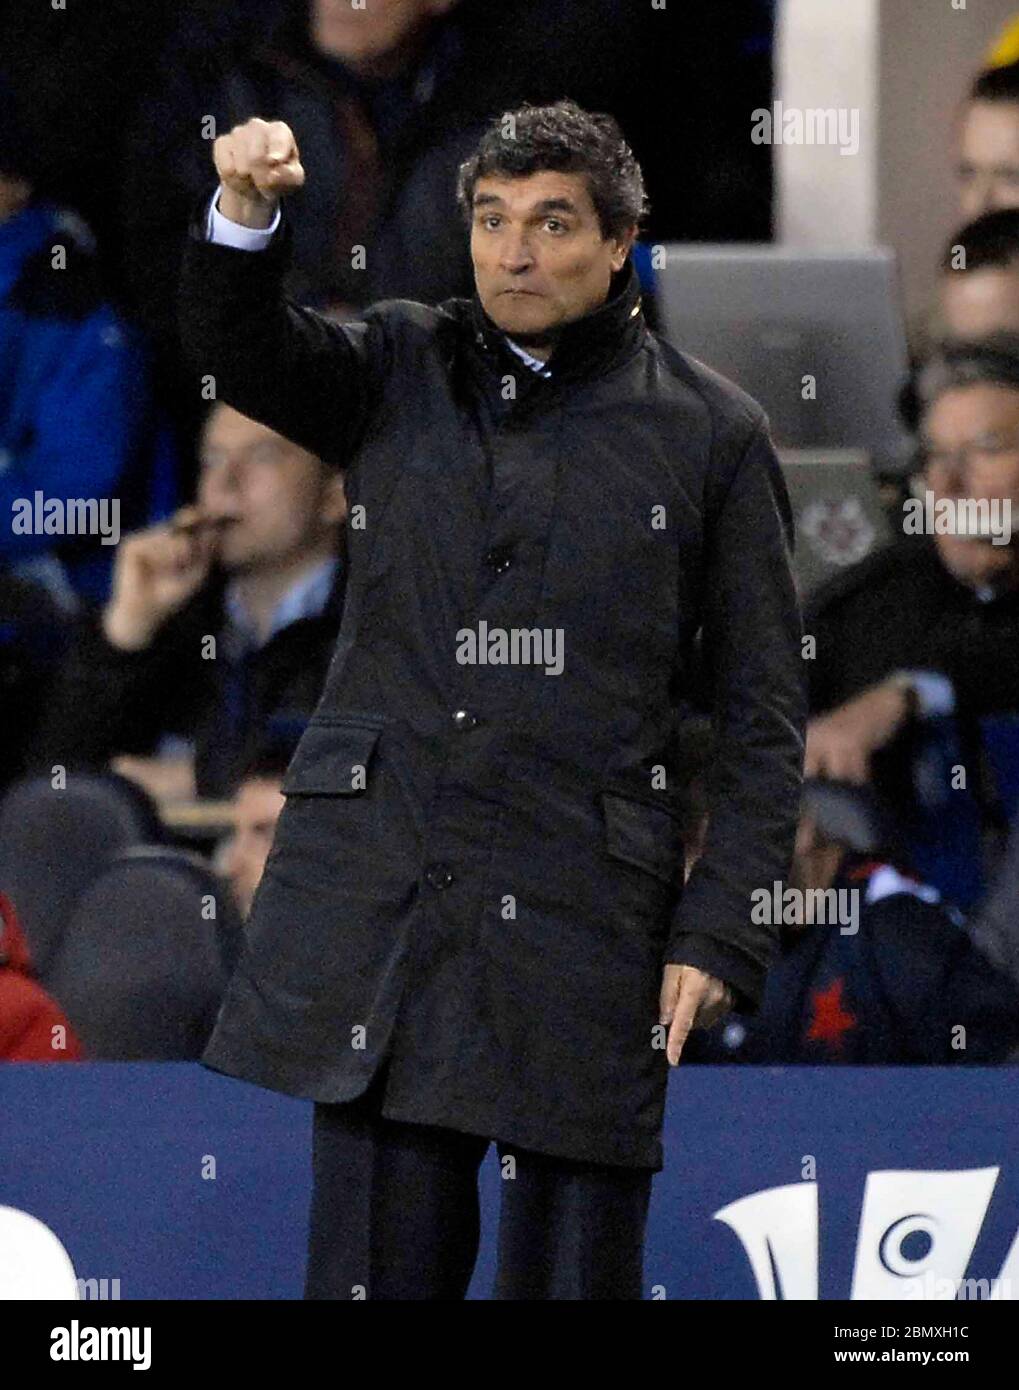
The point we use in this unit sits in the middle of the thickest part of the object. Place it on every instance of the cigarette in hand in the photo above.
(189, 520)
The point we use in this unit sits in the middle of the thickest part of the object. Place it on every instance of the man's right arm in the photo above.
(303, 375)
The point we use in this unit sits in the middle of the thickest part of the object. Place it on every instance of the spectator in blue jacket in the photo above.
(73, 393)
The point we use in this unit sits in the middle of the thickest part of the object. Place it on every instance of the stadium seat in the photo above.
(146, 956)
(54, 842)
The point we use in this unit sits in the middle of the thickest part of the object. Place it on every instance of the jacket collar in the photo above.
(307, 597)
(587, 346)
(212, 603)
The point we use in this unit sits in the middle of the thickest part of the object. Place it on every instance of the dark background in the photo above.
(682, 81)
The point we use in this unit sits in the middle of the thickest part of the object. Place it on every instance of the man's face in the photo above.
(814, 865)
(988, 166)
(364, 36)
(975, 303)
(278, 501)
(970, 437)
(257, 808)
(540, 259)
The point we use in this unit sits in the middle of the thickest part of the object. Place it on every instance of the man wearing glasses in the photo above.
(929, 625)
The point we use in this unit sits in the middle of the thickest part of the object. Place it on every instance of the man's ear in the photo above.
(623, 247)
(334, 499)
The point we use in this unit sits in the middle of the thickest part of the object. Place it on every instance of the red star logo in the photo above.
(830, 1019)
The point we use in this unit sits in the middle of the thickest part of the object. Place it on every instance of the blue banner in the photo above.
(168, 1181)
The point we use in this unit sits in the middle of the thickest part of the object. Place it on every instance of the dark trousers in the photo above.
(395, 1215)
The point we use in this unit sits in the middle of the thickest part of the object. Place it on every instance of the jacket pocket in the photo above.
(333, 758)
(644, 835)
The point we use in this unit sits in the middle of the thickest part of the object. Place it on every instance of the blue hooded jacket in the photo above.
(74, 395)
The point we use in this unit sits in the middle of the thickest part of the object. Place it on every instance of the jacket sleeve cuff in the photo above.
(226, 233)
(744, 975)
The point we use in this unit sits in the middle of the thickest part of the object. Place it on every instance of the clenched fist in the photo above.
(258, 163)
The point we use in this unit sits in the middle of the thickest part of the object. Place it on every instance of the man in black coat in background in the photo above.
(470, 927)
(927, 628)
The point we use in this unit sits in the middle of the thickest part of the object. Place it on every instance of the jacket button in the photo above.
(438, 876)
(498, 560)
(463, 719)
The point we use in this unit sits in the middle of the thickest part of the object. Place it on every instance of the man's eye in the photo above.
(490, 222)
(555, 225)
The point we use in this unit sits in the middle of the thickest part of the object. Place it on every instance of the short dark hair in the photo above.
(997, 84)
(993, 360)
(565, 138)
(989, 242)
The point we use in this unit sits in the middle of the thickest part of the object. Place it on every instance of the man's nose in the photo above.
(985, 196)
(222, 480)
(515, 254)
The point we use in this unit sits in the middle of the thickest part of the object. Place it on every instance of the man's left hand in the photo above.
(690, 999)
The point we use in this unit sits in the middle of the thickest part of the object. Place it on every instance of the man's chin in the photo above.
(978, 562)
(236, 560)
(523, 324)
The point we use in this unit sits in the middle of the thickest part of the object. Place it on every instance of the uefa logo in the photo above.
(916, 1237)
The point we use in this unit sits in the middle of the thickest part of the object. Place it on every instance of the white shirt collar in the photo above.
(306, 598)
(535, 363)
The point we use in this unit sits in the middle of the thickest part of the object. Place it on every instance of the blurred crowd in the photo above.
(171, 657)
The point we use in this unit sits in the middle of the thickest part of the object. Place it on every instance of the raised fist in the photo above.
(258, 163)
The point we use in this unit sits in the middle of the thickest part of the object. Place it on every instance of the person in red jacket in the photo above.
(33, 1027)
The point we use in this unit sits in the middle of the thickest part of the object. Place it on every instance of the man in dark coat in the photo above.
(470, 926)
(927, 628)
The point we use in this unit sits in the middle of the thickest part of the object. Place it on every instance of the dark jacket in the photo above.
(383, 159)
(33, 634)
(74, 393)
(106, 701)
(477, 872)
(901, 608)
(895, 991)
